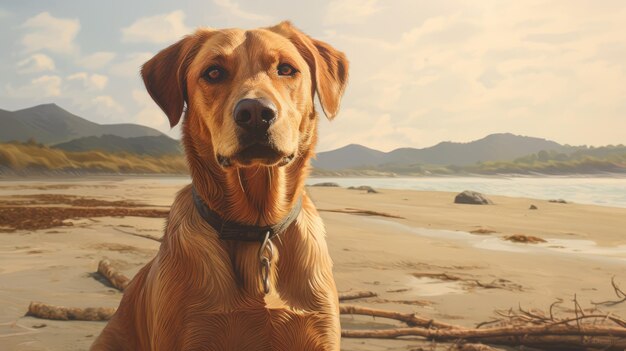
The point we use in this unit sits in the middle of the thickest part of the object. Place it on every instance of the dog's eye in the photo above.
(285, 69)
(214, 74)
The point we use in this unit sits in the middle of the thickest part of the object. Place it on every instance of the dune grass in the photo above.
(31, 157)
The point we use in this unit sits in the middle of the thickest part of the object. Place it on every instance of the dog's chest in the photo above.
(255, 329)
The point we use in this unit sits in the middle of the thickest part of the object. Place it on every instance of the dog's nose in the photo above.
(255, 114)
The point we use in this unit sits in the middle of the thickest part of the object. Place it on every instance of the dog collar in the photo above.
(236, 231)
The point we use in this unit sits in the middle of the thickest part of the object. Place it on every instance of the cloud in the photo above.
(46, 32)
(44, 86)
(4, 13)
(350, 11)
(108, 104)
(78, 89)
(131, 66)
(159, 29)
(149, 113)
(103, 106)
(419, 73)
(96, 60)
(552, 38)
(36, 63)
(465, 71)
(381, 131)
(234, 9)
(89, 81)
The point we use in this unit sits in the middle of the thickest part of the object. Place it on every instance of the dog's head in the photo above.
(249, 94)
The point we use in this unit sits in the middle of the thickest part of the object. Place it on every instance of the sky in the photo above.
(421, 71)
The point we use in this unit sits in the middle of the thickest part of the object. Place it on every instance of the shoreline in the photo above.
(95, 175)
(477, 175)
(600, 191)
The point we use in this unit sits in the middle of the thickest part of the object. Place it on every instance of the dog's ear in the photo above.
(329, 67)
(165, 76)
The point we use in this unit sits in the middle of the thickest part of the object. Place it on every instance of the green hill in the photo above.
(584, 160)
(50, 124)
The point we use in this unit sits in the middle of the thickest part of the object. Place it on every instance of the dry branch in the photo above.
(514, 328)
(117, 279)
(621, 295)
(408, 318)
(353, 295)
(45, 311)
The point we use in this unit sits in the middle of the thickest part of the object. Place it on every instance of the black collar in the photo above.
(237, 231)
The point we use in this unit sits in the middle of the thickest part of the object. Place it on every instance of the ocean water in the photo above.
(596, 191)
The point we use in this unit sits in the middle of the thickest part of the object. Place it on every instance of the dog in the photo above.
(243, 263)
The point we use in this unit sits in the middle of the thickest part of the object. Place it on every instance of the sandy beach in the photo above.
(406, 252)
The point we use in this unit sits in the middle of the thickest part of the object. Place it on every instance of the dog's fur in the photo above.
(204, 293)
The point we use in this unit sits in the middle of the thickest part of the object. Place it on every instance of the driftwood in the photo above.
(356, 211)
(45, 311)
(522, 328)
(353, 295)
(147, 236)
(117, 279)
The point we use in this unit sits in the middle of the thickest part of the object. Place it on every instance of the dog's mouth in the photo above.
(255, 154)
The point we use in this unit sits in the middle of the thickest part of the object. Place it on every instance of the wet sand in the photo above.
(426, 261)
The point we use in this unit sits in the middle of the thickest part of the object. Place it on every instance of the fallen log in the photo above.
(584, 332)
(45, 311)
(117, 279)
(353, 295)
(561, 342)
(482, 334)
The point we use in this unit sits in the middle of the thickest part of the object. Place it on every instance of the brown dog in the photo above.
(249, 132)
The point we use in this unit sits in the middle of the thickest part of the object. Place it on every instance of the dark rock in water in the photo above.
(558, 201)
(327, 184)
(533, 207)
(472, 198)
(367, 188)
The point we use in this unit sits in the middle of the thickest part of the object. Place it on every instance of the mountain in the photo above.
(144, 145)
(349, 157)
(50, 124)
(494, 147)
